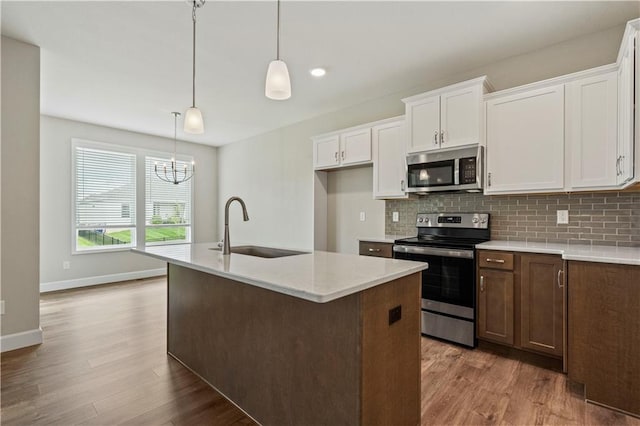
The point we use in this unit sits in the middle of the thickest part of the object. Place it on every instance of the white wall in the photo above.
(19, 193)
(349, 193)
(274, 171)
(55, 201)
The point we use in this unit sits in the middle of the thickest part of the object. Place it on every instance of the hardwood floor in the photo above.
(104, 362)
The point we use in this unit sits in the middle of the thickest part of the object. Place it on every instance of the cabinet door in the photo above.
(460, 117)
(592, 119)
(423, 122)
(541, 303)
(355, 146)
(625, 114)
(495, 306)
(326, 152)
(525, 142)
(389, 161)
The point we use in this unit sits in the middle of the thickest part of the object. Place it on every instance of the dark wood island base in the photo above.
(285, 360)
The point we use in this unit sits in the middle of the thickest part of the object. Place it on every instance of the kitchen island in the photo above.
(314, 338)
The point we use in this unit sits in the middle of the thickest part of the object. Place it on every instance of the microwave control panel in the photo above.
(468, 170)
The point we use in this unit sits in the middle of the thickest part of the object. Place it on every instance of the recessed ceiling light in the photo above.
(318, 72)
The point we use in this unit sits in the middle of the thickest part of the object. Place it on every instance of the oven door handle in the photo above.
(434, 251)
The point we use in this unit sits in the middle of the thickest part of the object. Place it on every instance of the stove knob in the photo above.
(426, 220)
(420, 220)
(484, 220)
(475, 220)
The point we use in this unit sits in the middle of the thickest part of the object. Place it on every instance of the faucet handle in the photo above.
(220, 243)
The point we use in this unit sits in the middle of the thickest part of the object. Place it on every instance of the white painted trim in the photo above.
(358, 127)
(479, 81)
(14, 341)
(100, 279)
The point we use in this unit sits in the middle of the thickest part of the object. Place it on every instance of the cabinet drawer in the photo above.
(369, 248)
(495, 260)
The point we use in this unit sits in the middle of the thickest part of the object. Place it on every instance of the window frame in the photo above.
(140, 226)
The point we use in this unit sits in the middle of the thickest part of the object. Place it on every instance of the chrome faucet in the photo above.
(226, 248)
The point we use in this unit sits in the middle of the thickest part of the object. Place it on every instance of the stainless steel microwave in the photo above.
(457, 169)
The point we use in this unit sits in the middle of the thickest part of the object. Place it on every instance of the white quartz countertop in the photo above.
(318, 276)
(585, 253)
(389, 238)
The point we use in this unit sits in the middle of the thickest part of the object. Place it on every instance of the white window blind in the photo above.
(167, 205)
(105, 198)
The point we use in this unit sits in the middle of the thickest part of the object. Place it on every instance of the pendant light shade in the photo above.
(278, 85)
(193, 122)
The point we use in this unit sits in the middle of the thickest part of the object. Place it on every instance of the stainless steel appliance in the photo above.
(457, 169)
(447, 242)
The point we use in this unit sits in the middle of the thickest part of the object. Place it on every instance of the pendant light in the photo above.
(193, 122)
(174, 175)
(278, 84)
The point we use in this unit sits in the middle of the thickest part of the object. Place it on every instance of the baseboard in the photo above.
(101, 279)
(14, 341)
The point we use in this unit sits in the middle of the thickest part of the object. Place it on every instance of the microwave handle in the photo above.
(456, 171)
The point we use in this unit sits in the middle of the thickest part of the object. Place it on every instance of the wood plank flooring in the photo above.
(104, 362)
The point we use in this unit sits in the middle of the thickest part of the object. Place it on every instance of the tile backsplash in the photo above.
(604, 218)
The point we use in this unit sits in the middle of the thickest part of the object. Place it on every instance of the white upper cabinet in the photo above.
(525, 141)
(625, 147)
(346, 148)
(446, 117)
(326, 152)
(389, 160)
(355, 146)
(591, 131)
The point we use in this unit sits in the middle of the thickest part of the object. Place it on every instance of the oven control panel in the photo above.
(453, 220)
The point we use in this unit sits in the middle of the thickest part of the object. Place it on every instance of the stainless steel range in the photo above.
(447, 242)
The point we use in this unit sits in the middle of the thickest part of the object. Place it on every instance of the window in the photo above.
(167, 206)
(104, 198)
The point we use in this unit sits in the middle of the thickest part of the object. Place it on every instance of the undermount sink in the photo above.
(266, 252)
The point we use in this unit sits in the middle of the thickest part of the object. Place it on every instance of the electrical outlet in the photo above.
(395, 217)
(1, 307)
(66, 265)
(363, 217)
(563, 217)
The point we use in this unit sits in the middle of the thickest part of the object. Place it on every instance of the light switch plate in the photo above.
(563, 217)
(66, 265)
(395, 217)
(363, 217)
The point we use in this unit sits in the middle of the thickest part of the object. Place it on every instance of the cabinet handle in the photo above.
(495, 260)
(489, 177)
(343, 155)
(560, 285)
(481, 283)
(372, 250)
(435, 138)
(621, 165)
(336, 156)
(402, 185)
(618, 166)
(442, 137)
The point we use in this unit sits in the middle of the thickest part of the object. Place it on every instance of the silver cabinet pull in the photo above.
(435, 138)
(621, 165)
(560, 272)
(618, 166)
(442, 137)
(402, 185)
(495, 260)
(489, 178)
(336, 156)
(481, 283)
(343, 155)
(372, 250)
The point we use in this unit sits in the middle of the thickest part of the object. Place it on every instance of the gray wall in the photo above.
(274, 171)
(606, 218)
(20, 186)
(55, 199)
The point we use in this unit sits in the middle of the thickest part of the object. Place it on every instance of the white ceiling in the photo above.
(128, 64)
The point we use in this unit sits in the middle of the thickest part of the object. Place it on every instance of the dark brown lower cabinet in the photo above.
(541, 303)
(495, 306)
(604, 332)
(521, 301)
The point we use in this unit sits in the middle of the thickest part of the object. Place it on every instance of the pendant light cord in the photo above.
(194, 53)
(278, 32)
(175, 136)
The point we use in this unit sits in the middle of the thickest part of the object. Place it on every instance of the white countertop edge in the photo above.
(318, 298)
(583, 253)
